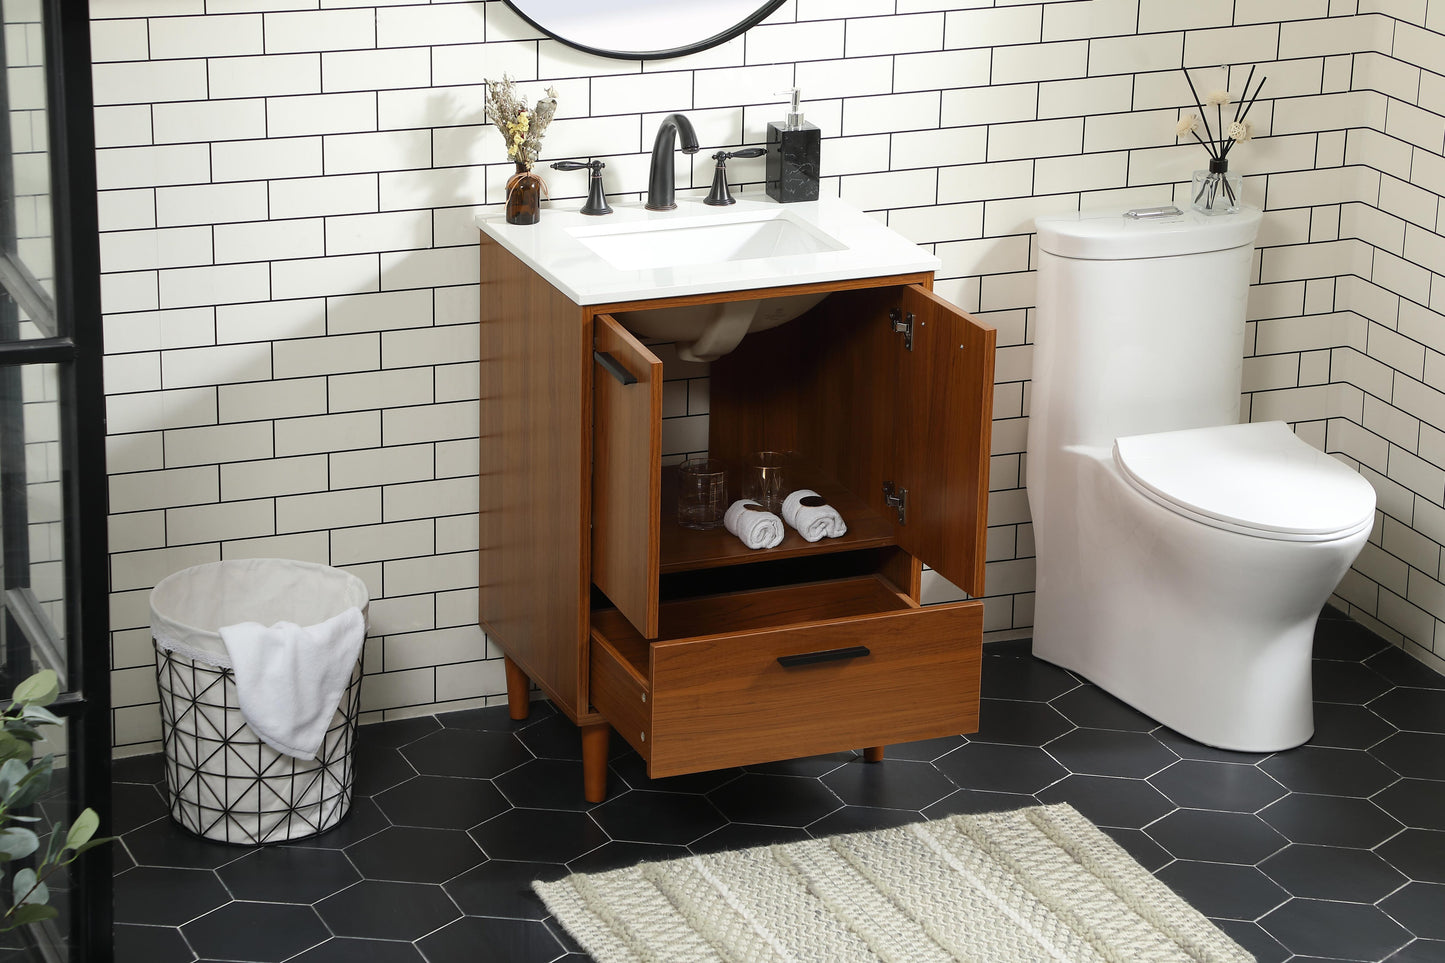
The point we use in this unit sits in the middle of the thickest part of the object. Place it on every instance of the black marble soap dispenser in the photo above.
(794, 152)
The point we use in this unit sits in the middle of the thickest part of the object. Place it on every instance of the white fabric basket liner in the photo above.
(188, 607)
(224, 783)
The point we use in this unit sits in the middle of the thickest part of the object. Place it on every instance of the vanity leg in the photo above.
(594, 761)
(518, 687)
(873, 754)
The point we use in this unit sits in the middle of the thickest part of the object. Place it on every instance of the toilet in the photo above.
(1182, 558)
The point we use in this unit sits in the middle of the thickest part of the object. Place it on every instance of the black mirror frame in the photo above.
(766, 8)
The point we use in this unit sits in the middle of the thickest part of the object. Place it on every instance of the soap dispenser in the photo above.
(794, 152)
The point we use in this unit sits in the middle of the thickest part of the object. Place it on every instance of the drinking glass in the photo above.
(702, 493)
(765, 479)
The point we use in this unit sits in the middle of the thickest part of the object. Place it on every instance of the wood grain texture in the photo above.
(534, 475)
(942, 437)
(726, 701)
(626, 471)
(620, 689)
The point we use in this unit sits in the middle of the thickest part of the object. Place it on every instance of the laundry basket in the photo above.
(224, 782)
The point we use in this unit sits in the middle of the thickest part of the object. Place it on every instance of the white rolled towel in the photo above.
(812, 521)
(757, 528)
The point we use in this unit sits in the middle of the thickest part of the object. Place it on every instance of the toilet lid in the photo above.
(1258, 478)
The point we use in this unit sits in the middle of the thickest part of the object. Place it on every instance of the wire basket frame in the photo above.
(224, 783)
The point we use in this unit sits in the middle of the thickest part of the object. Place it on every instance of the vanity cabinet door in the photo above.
(626, 468)
(942, 425)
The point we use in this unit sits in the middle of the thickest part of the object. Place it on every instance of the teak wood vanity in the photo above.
(702, 653)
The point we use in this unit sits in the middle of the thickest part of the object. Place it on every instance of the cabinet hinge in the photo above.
(902, 324)
(896, 499)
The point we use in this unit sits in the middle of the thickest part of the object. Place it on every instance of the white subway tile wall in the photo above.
(289, 259)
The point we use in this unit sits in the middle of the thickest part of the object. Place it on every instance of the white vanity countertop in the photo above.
(564, 247)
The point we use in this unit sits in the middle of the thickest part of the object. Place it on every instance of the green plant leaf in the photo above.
(40, 689)
(82, 829)
(41, 716)
(91, 844)
(16, 842)
(28, 913)
(27, 888)
(13, 748)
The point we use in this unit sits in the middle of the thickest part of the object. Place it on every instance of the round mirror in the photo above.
(643, 29)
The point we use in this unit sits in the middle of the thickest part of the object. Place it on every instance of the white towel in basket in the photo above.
(289, 678)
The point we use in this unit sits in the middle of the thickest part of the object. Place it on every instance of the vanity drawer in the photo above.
(786, 672)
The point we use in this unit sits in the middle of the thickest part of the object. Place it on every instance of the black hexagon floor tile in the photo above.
(497, 718)
(342, 949)
(288, 874)
(441, 802)
(1335, 930)
(1094, 708)
(380, 910)
(262, 932)
(1418, 710)
(167, 897)
(1217, 837)
(1109, 752)
(747, 835)
(1348, 682)
(925, 750)
(1019, 675)
(1213, 846)
(996, 767)
(1418, 853)
(776, 800)
(501, 887)
(1418, 803)
(1334, 772)
(1337, 636)
(1396, 666)
(807, 766)
(466, 752)
(859, 819)
(512, 940)
(404, 854)
(151, 944)
(1417, 907)
(552, 784)
(1333, 873)
(890, 784)
(1225, 890)
(1417, 754)
(658, 817)
(1194, 784)
(1341, 726)
(632, 768)
(1018, 723)
(546, 836)
(1331, 820)
(1110, 800)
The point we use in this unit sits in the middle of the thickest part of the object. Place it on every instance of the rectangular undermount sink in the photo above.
(636, 254)
(703, 240)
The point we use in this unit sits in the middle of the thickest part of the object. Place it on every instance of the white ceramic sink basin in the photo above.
(703, 240)
(635, 254)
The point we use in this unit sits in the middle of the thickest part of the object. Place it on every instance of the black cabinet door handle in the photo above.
(614, 367)
(825, 655)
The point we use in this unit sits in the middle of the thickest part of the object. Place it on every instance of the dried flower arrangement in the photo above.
(1219, 139)
(521, 127)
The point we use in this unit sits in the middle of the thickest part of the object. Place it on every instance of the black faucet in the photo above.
(660, 182)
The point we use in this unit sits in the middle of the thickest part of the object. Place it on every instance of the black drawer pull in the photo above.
(614, 367)
(826, 655)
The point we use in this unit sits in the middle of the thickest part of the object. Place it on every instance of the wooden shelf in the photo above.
(684, 549)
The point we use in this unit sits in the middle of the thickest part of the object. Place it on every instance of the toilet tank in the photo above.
(1139, 325)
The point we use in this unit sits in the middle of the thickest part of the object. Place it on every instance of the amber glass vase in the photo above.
(524, 196)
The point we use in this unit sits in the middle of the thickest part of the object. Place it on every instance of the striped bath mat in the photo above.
(1035, 884)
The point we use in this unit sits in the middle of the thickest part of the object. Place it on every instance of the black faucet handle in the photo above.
(596, 196)
(720, 196)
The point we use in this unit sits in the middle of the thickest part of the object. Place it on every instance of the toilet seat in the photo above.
(1257, 479)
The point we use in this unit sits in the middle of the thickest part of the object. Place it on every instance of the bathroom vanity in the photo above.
(701, 652)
